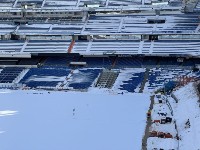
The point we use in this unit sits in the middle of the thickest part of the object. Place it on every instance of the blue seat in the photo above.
(133, 82)
(84, 78)
(35, 73)
(7, 75)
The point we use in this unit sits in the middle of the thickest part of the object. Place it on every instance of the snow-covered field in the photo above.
(32, 120)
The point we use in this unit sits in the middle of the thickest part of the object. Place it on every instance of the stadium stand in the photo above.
(106, 47)
(107, 78)
(134, 62)
(76, 44)
(8, 75)
(8, 62)
(60, 61)
(83, 78)
(44, 77)
(80, 4)
(30, 61)
(46, 46)
(97, 61)
(134, 82)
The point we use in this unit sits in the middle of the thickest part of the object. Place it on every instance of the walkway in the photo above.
(149, 123)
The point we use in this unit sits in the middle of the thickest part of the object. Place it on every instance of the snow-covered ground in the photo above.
(41, 120)
(187, 115)
(166, 128)
(161, 143)
(100, 119)
(160, 111)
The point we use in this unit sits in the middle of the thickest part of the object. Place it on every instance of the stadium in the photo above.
(99, 74)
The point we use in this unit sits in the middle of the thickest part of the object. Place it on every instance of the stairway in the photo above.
(107, 79)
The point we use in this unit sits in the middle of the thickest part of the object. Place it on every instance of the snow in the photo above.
(160, 108)
(165, 128)
(41, 120)
(187, 108)
(125, 75)
(7, 113)
(163, 75)
(166, 144)
(46, 78)
(161, 111)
